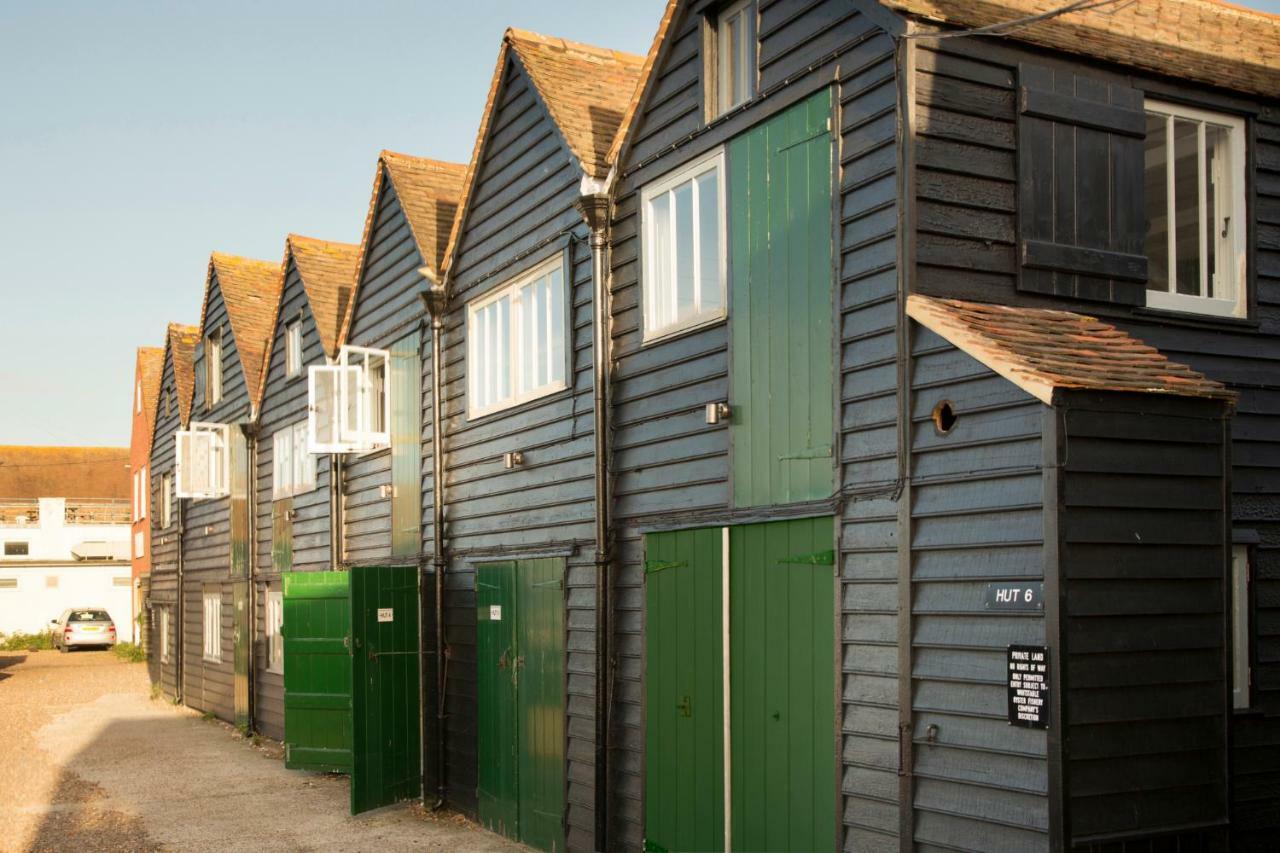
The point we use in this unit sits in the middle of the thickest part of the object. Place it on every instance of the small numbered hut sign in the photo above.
(1028, 678)
(386, 614)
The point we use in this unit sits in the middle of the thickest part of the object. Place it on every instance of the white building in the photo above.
(62, 552)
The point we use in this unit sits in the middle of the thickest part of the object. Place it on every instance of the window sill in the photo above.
(1191, 318)
(676, 332)
(521, 404)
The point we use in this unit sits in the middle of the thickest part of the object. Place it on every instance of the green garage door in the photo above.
(520, 691)
(317, 671)
(781, 772)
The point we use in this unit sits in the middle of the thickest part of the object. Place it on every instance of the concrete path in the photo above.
(88, 760)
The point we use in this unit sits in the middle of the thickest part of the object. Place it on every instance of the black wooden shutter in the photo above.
(1081, 222)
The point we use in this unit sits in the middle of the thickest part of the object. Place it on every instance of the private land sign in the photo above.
(1028, 675)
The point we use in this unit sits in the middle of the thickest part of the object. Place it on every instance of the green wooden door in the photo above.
(684, 690)
(386, 702)
(240, 653)
(783, 681)
(781, 354)
(520, 691)
(317, 671)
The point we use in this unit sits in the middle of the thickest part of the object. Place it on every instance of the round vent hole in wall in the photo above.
(944, 417)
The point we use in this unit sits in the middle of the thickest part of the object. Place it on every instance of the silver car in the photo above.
(83, 626)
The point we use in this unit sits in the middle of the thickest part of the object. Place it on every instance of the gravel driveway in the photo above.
(89, 761)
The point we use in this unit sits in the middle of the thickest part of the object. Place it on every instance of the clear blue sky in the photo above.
(136, 137)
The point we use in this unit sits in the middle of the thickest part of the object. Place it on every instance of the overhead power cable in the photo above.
(1005, 27)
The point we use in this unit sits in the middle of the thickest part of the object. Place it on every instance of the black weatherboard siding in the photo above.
(164, 540)
(284, 403)
(672, 469)
(206, 541)
(521, 199)
(967, 214)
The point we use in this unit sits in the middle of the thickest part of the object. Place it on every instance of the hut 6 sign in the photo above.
(1014, 596)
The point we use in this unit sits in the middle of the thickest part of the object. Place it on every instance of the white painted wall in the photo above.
(30, 604)
(28, 600)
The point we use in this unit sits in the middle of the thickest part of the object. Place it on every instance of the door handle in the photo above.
(685, 707)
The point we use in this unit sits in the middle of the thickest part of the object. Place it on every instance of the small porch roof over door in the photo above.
(1042, 350)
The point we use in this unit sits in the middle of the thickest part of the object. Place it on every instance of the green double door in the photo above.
(520, 693)
(740, 739)
(352, 679)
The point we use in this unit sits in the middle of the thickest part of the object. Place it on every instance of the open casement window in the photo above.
(201, 463)
(349, 403)
(684, 254)
(1195, 188)
(1080, 216)
(516, 340)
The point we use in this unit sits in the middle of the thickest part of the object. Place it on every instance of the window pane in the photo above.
(1156, 186)
(709, 284)
(660, 284)
(502, 338)
(555, 307)
(1186, 193)
(740, 58)
(1218, 205)
(683, 196)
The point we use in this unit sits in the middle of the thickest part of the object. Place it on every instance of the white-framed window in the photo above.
(137, 398)
(349, 403)
(735, 56)
(293, 469)
(212, 369)
(142, 485)
(1195, 201)
(137, 490)
(293, 348)
(139, 544)
(275, 636)
(201, 461)
(213, 626)
(1240, 670)
(166, 499)
(165, 636)
(517, 345)
(685, 258)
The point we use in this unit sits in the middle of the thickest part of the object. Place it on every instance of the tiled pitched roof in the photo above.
(150, 363)
(251, 291)
(328, 273)
(64, 472)
(1202, 40)
(586, 90)
(182, 347)
(429, 192)
(646, 75)
(1041, 350)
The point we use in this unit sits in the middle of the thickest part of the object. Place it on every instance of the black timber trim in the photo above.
(1054, 449)
(1040, 103)
(1043, 255)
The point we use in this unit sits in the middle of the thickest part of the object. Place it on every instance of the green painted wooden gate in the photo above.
(386, 721)
(781, 769)
(781, 275)
(317, 671)
(351, 679)
(520, 689)
(684, 684)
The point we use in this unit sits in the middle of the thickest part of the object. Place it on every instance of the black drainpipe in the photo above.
(251, 538)
(436, 299)
(335, 511)
(594, 208)
(180, 657)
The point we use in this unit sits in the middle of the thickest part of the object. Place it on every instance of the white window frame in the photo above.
(744, 63)
(212, 368)
(1235, 245)
(166, 499)
(510, 291)
(165, 638)
(274, 619)
(144, 485)
(293, 348)
(1241, 672)
(648, 264)
(293, 468)
(349, 389)
(137, 398)
(213, 626)
(137, 490)
(214, 459)
(139, 544)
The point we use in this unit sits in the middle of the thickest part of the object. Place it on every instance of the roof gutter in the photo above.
(595, 205)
